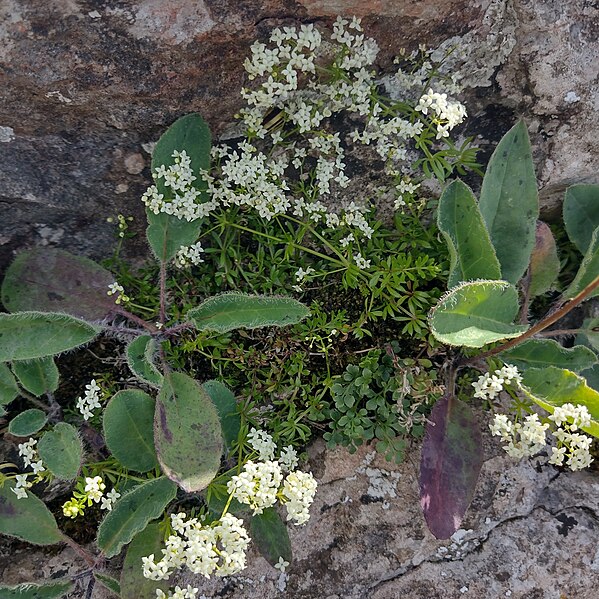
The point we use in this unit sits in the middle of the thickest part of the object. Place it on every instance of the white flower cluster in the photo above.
(30, 457)
(90, 400)
(447, 114)
(189, 255)
(521, 440)
(179, 178)
(527, 439)
(488, 385)
(218, 549)
(259, 483)
(119, 291)
(188, 592)
(94, 487)
(572, 446)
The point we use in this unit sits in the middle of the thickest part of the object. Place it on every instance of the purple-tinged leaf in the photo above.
(450, 465)
(544, 262)
(52, 280)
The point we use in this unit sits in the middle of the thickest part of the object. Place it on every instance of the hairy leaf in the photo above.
(270, 534)
(52, 280)
(581, 214)
(37, 376)
(450, 464)
(8, 385)
(28, 590)
(476, 313)
(509, 202)
(108, 582)
(129, 429)
(544, 261)
(166, 233)
(553, 387)
(187, 433)
(588, 270)
(27, 423)
(61, 451)
(538, 353)
(226, 406)
(27, 519)
(229, 311)
(140, 357)
(131, 513)
(29, 335)
(133, 583)
(459, 220)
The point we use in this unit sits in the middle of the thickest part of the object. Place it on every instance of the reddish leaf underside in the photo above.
(450, 465)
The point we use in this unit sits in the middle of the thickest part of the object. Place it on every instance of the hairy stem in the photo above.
(162, 292)
(90, 559)
(136, 319)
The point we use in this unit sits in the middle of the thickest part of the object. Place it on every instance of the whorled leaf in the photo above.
(27, 519)
(52, 280)
(539, 353)
(28, 590)
(133, 583)
(581, 214)
(61, 451)
(8, 385)
(140, 357)
(30, 335)
(131, 513)
(477, 313)
(27, 422)
(229, 311)
(470, 249)
(509, 202)
(129, 429)
(544, 261)
(37, 376)
(187, 433)
(450, 464)
(553, 387)
(588, 270)
(270, 534)
(226, 406)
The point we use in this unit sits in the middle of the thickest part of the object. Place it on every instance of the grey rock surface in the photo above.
(531, 532)
(86, 86)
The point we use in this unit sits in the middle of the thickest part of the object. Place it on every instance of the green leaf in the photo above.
(589, 333)
(229, 311)
(37, 376)
(52, 280)
(108, 582)
(271, 537)
(509, 202)
(133, 583)
(470, 250)
(538, 353)
(27, 423)
(8, 385)
(476, 313)
(226, 405)
(553, 387)
(581, 214)
(129, 429)
(166, 233)
(27, 590)
(29, 335)
(187, 433)
(131, 513)
(61, 450)
(544, 261)
(588, 270)
(140, 357)
(27, 519)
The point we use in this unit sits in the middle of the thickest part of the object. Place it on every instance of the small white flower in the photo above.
(282, 564)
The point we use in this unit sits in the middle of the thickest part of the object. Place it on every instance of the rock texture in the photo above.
(86, 86)
(531, 533)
